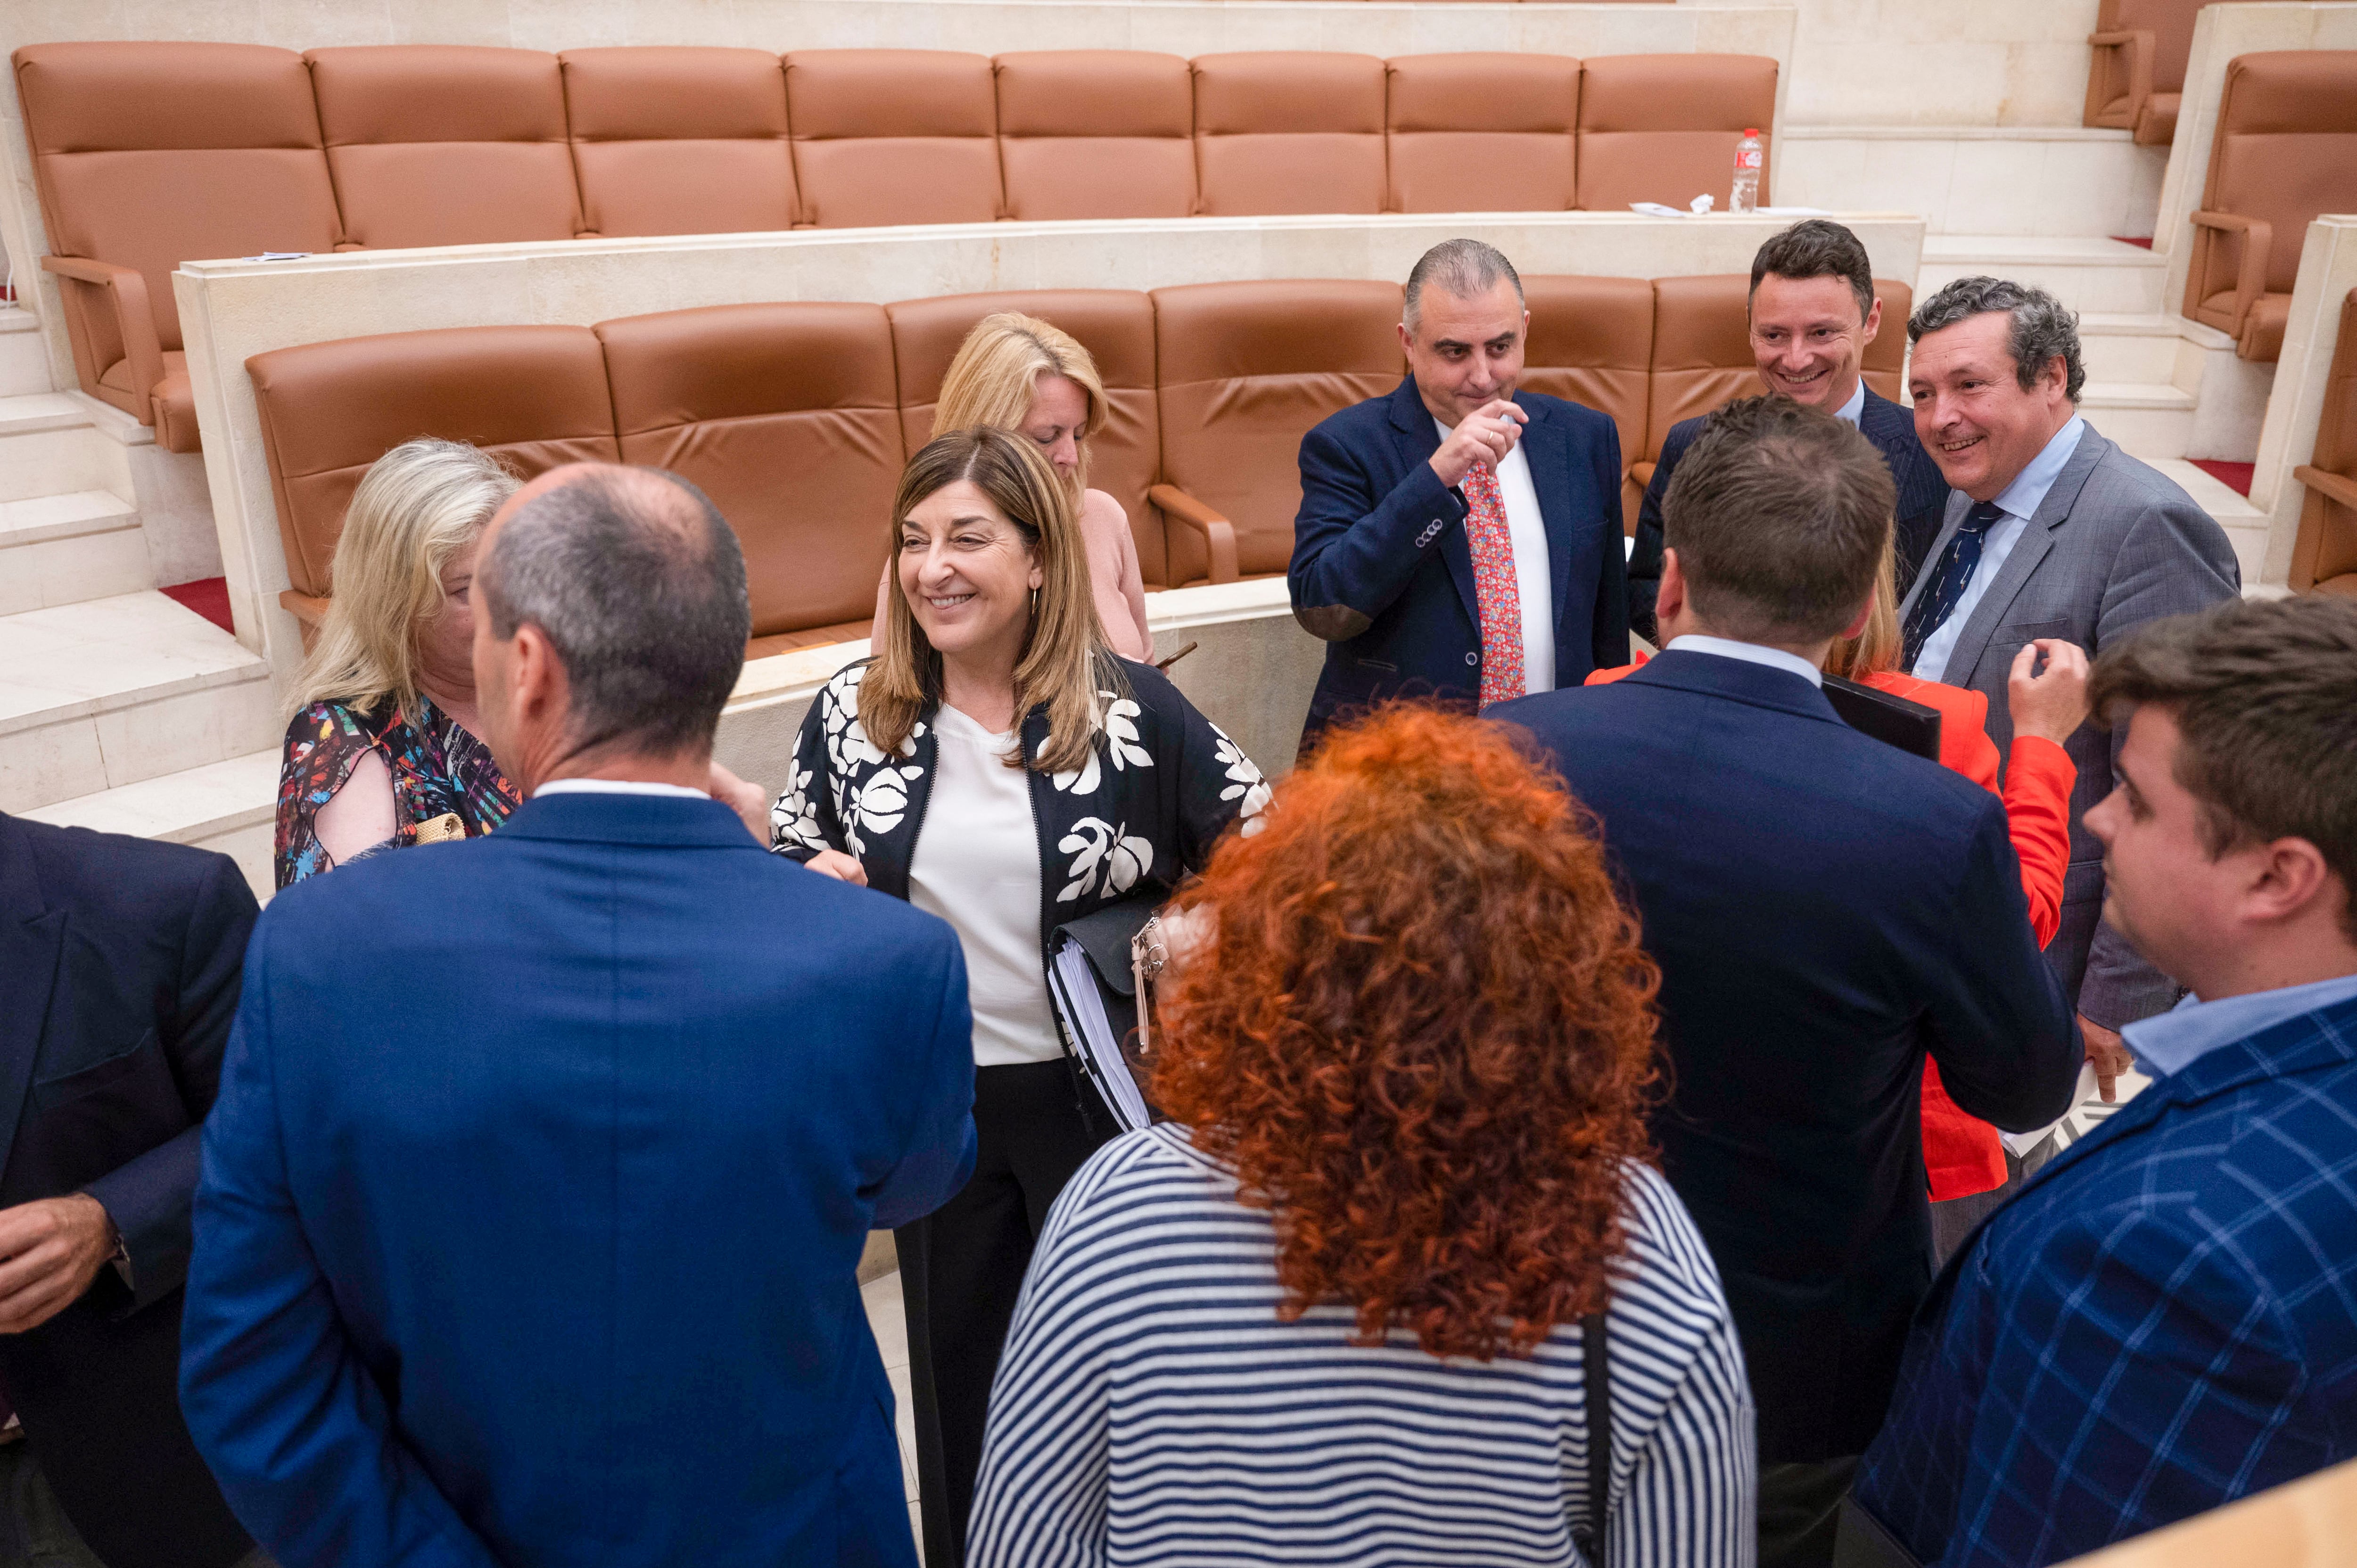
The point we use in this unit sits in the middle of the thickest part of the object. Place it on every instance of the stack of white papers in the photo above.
(1082, 1007)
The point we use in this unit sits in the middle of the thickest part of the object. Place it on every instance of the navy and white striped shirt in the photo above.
(1150, 1408)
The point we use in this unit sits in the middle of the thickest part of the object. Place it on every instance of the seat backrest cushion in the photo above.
(1096, 134)
(2286, 152)
(1702, 351)
(893, 136)
(151, 155)
(1484, 133)
(1116, 326)
(536, 395)
(680, 141)
(446, 144)
(2170, 23)
(1664, 127)
(1285, 133)
(1246, 369)
(1884, 363)
(2326, 547)
(1591, 341)
(786, 416)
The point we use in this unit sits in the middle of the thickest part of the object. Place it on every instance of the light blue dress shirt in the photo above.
(2019, 501)
(2172, 1041)
(1751, 653)
(1854, 409)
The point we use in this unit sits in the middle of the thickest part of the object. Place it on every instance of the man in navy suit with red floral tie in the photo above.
(1458, 539)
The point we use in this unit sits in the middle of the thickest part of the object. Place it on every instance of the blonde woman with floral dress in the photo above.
(996, 765)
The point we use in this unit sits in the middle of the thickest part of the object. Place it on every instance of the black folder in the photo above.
(1894, 721)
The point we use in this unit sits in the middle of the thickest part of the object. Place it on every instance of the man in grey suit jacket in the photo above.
(2050, 530)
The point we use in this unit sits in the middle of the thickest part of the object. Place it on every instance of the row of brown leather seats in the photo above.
(796, 418)
(2137, 76)
(2324, 553)
(2286, 153)
(148, 154)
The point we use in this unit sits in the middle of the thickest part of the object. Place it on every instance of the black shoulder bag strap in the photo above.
(1599, 1391)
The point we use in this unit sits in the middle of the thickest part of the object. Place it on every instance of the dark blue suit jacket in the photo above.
(1825, 909)
(534, 1198)
(1382, 571)
(119, 961)
(1922, 496)
(2159, 1323)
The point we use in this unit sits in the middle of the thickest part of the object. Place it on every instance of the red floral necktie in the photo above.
(1495, 593)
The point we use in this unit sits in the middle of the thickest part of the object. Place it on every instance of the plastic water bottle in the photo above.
(1747, 159)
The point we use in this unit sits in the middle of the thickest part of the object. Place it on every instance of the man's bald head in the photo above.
(638, 585)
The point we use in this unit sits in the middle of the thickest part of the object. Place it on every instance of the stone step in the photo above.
(49, 447)
(62, 550)
(2150, 421)
(1976, 179)
(2085, 272)
(2245, 525)
(229, 805)
(112, 690)
(24, 358)
(2131, 348)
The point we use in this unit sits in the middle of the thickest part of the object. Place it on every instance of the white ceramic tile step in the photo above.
(228, 806)
(62, 550)
(24, 358)
(2245, 525)
(2131, 348)
(116, 690)
(2085, 272)
(2149, 421)
(49, 445)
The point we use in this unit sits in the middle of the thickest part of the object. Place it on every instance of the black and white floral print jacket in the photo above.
(1161, 783)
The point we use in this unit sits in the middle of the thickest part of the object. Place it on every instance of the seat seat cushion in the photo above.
(2345, 586)
(176, 405)
(813, 636)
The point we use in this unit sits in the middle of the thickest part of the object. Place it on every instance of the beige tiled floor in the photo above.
(890, 1325)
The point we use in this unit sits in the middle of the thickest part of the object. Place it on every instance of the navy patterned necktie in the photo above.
(1950, 577)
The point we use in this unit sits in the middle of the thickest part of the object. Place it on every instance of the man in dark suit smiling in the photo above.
(1813, 311)
(1460, 539)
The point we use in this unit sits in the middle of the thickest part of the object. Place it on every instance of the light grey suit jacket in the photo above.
(2116, 543)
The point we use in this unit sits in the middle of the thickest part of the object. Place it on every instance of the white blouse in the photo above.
(976, 864)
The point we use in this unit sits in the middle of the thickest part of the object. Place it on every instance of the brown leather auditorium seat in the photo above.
(1296, 132)
(2136, 78)
(2286, 151)
(1664, 127)
(1702, 351)
(150, 154)
(893, 136)
(680, 141)
(535, 394)
(1096, 134)
(1246, 368)
(2324, 554)
(1484, 133)
(785, 415)
(1592, 341)
(1116, 326)
(441, 145)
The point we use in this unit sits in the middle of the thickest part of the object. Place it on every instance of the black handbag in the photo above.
(1865, 1542)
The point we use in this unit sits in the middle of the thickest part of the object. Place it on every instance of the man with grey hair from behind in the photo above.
(1460, 538)
(534, 1195)
(2051, 531)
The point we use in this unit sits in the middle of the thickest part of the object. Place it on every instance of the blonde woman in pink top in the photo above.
(1019, 373)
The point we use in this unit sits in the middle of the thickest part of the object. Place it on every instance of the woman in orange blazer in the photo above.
(1963, 1155)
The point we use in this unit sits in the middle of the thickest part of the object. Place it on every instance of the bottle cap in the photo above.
(1750, 130)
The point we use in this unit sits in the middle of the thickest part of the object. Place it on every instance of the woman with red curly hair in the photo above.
(1338, 1309)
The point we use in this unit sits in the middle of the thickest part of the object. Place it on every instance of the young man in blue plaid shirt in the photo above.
(2166, 1318)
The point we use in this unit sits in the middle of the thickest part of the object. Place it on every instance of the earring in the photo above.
(1035, 603)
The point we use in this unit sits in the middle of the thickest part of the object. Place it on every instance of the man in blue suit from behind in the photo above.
(1826, 910)
(1811, 312)
(1458, 539)
(536, 1191)
(2160, 1322)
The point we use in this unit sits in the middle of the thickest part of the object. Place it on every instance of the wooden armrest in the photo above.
(311, 610)
(2340, 488)
(135, 320)
(1219, 536)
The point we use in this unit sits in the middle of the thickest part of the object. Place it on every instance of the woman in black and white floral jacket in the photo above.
(996, 765)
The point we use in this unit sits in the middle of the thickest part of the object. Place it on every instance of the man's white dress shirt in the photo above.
(1534, 583)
